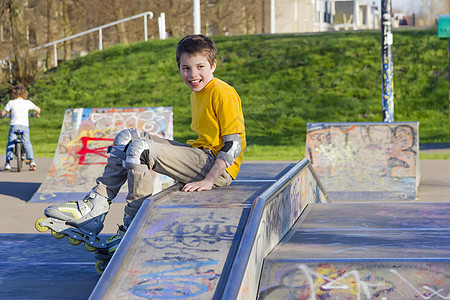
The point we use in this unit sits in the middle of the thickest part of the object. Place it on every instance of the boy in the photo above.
(19, 107)
(213, 159)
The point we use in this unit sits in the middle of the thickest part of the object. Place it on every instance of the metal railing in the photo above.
(100, 33)
(147, 14)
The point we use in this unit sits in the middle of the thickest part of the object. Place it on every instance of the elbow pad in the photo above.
(231, 148)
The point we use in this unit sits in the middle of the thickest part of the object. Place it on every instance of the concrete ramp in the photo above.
(81, 152)
(366, 161)
(210, 244)
(363, 251)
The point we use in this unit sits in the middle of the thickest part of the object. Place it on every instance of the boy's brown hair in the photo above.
(197, 44)
(19, 91)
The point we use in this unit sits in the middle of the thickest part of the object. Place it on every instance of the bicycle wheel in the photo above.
(18, 149)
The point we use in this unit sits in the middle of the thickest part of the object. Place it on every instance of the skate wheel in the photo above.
(58, 235)
(89, 247)
(100, 266)
(73, 241)
(39, 227)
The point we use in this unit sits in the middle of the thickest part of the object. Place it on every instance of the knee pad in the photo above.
(140, 153)
(122, 140)
(125, 136)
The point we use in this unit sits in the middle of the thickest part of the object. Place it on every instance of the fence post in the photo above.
(272, 17)
(197, 17)
(55, 52)
(100, 39)
(162, 26)
(145, 28)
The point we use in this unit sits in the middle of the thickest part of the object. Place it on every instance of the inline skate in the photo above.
(80, 221)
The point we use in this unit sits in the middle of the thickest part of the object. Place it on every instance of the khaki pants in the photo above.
(179, 161)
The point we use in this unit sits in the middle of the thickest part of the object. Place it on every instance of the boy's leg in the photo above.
(178, 161)
(10, 144)
(87, 215)
(96, 204)
(28, 148)
(140, 187)
(27, 143)
(186, 164)
(113, 177)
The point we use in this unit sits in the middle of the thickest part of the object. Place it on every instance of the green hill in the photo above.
(285, 81)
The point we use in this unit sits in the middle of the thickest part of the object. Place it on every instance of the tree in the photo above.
(121, 30)
(24, 66)
(430, 10)
(31, 23)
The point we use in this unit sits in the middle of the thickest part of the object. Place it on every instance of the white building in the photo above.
(293, 16)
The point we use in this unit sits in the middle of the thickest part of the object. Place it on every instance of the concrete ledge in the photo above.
(362, 250)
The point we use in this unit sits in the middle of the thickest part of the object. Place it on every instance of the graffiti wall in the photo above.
(81, 153)
(374, 251)
(368, 161)
(370, 280)
(180, 254)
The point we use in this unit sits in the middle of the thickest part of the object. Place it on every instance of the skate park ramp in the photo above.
(363, 251)
(81, 153)
(38, 266)
(210, 244)
(365, 161)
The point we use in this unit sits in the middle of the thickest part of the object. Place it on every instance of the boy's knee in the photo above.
(122, 140)
(141, 153)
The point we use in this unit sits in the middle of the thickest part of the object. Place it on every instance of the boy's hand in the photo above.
(207, 183)
(198, 186)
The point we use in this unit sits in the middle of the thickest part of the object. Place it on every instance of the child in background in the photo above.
(18, 108)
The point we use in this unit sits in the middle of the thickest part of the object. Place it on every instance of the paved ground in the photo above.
(16, 188)
(18, 216)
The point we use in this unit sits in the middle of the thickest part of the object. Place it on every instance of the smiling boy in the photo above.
(213, 159)
(216, 110)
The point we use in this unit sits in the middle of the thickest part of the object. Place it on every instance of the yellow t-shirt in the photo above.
(217, 111)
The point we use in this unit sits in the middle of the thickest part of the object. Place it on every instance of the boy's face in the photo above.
(196, 71)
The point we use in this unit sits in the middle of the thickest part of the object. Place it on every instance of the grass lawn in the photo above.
(285, 81)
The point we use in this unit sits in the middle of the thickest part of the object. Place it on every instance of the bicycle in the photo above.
(19, 150)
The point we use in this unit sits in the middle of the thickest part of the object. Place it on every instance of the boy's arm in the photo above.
(3, 113)
(207, 183)
(37, 111)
